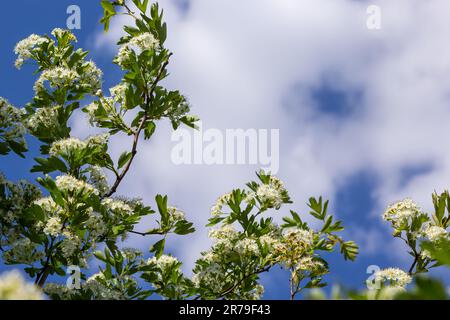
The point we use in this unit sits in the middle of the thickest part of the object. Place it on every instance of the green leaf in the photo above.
(162, 208)
(124, 158)
(108, 7)
(149, 130)
(158, 248)
(350, 250)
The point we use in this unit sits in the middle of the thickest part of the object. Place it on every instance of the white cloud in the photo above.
(238, 61)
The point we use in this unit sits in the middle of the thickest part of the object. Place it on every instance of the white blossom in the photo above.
(164, 262)
(25, 48)
(98, 179)
(271, 195)
(119, 91)
(91, 77)
(175, 214)
(435, 233)
(22, 251)
(59, 33)
(46, 117)
(56, 77)
(222, 201)
(14, 287)
(69, 183)
(11, 121)
(70, 244)
(395, 277)
(66, 146)
(48, 205)
(142, 42)
(401, 213)
(53, 227)
(118, 206)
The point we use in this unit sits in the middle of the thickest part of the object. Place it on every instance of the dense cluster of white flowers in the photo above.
(118, 206)
(294, 245)
(225, 232)
(96, 225)
(59, 33)
(118, 92)
(308, 263)
(164, 262)
(56, 77)
(393, 276)
(70, 244)
(14, 287)
(247, 247)
(67, 147)
(400, 214)
(175, 214)
(98, 179)
(53, 226)
(142, 42)
(48, 205)
(68, 183)
(300, 236)
(212, 277)
(25, 49)
(435, 233)
(220, 203)
(91, 78)
(46, 117)
(11, 121)
(271, 195)
(22, 251)
(93, 284)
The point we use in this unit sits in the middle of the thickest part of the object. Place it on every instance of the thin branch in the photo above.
(138, 133)
(416, 259)
(233, 287)
(146, 233)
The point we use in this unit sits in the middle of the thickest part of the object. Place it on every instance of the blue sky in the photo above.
(361, 113)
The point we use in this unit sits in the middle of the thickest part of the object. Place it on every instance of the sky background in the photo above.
(362, 113)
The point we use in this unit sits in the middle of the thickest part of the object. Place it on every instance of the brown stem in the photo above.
(416, 258)
(138, 133)
(233, 287)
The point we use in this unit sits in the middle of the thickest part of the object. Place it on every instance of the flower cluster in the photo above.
(271, 194)
(60, 33)
(295, 244)
(140, 43)
(435, 233)
(220, 203)
(67, 147)
(14, 287)
(164, 262)
(22, 251)
(118, 207)
(402, 213)
(72, 185)
(26, 48)
(11, 125)
(98, 179)
(57, 77)
(394, 277)
(53, 226)
(175, 214)
(91, 77)
(46, 118)
(118, 92)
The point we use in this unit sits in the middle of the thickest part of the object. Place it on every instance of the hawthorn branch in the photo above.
(245, 277)
(138, 131)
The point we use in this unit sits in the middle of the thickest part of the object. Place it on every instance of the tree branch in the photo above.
(138, 132)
